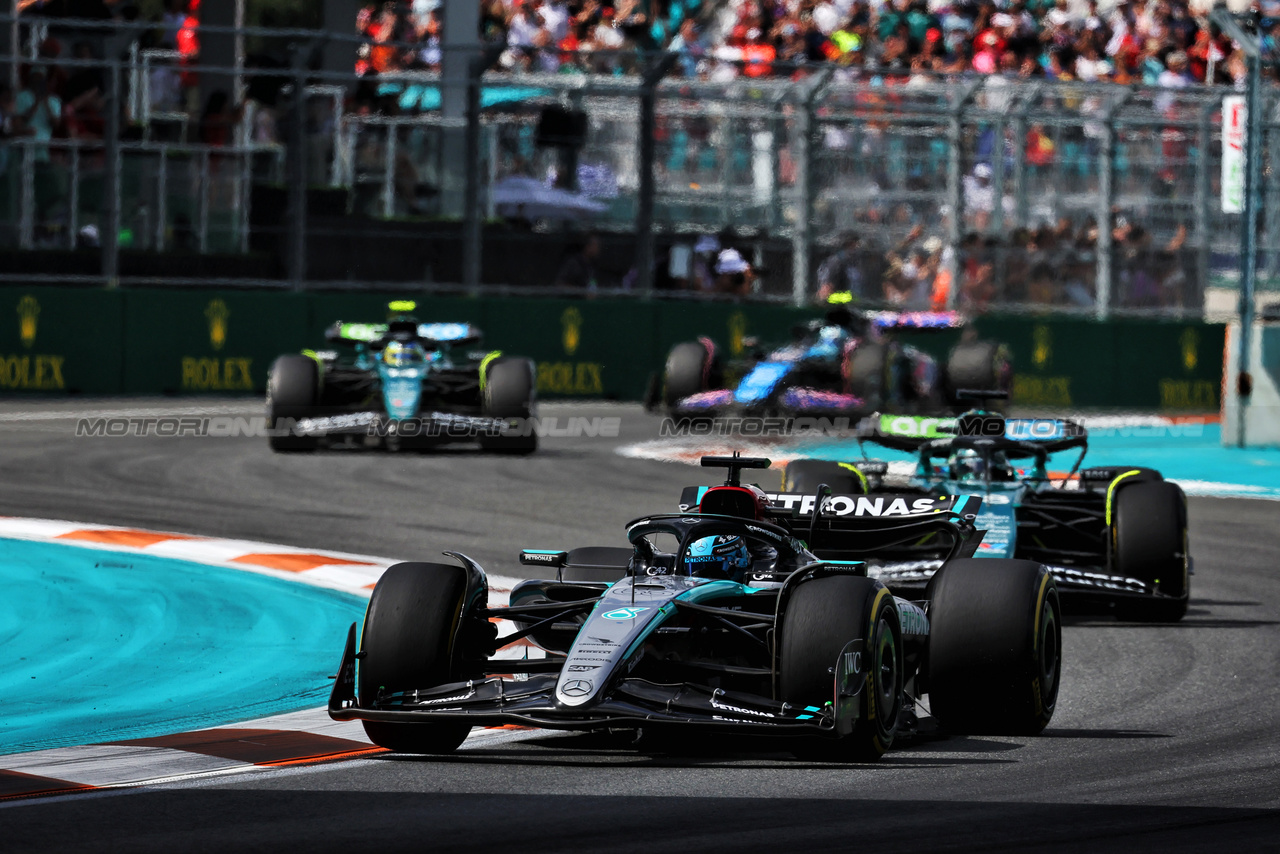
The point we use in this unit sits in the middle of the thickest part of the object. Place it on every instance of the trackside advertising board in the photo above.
(221, 341)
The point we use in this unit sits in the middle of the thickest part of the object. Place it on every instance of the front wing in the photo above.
(497, 701)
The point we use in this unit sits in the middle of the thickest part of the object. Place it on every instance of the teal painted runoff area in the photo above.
(103, 646)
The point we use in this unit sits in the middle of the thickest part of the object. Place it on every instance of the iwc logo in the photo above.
(217, 314)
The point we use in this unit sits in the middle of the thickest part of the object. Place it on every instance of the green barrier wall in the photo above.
(219, 341)
(58, 340)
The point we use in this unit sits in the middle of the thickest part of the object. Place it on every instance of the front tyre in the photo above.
(821, 617)
(407, 643)
(1149, 531)
(293, 390)
(690, 370)
(995, 647)
(510, 391)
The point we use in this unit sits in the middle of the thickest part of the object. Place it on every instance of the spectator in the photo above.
(579, 270)
(38, 112)
(733, 274)
(840, 276)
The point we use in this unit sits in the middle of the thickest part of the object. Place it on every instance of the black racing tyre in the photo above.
(976, 366)
(510, 391)
(868, 373)
(995, 647)
(805, 476)
(653, 392)
(1149, 542)
(689, 371)
(293, 390)
(821, 617)
(407, 642)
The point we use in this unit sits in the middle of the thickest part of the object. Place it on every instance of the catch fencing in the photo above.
(981, 193)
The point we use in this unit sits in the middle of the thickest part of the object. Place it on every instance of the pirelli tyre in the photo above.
(690, 370)
(822, 615)
(995, 647)
(407, 642)
(977, 366)
(1149, 543)
(293, 390)
(510, 391)
(805, 476)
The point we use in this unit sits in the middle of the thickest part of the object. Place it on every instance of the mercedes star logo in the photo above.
(576, 688)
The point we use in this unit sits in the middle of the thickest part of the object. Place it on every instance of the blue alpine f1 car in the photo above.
(720, 617)
(402, 384)
(843, 364)
(1113, 536)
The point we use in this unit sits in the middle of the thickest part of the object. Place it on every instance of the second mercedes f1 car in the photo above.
(721, 617)
(1114, 536)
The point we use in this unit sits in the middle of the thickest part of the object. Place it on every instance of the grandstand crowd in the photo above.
(1166, 43)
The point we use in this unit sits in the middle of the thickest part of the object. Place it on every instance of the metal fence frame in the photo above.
(766, 160)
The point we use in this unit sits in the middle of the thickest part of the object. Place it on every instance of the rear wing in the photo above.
(887, 320)
(1020, 437)
(431, 335)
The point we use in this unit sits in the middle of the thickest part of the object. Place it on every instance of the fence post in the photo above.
(955, 190)
(802, 231)
(472, 222)
(1106, 198)
(644, 209)
(1202, 201)
(1102, 213)
(109, 232)
(73, 214)
(27, 203)
(297, 175)
(1021, 212)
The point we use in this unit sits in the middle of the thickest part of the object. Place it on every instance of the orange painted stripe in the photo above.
(256, 746)
(15, 784)
(131, 538)
(297, 562)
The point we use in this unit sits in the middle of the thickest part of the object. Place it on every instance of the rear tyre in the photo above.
(1149, 531)
(407, 643)
(978, 366)
(995, 647)
(689, 371)
(293, 390)
(510, 392)
(868, 374)
(821, 617)
(805, 476)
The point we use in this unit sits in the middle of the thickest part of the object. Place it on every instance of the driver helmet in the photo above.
(967, 464)
(399, 354)
(721, 556)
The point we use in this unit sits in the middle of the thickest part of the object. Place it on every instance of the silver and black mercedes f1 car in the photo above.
(719, 617)
(1114, 537)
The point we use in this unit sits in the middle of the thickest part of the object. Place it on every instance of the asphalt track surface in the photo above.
(1165, 736)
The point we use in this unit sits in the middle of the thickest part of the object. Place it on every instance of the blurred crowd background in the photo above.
(916, 153)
